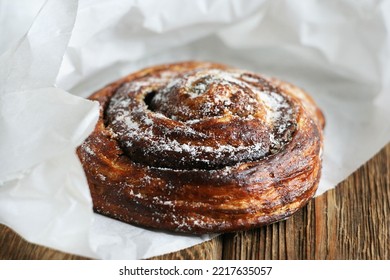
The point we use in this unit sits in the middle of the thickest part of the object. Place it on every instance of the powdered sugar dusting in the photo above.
(87, 149)
(171, 131)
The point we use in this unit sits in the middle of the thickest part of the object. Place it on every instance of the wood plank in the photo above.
(349, 222)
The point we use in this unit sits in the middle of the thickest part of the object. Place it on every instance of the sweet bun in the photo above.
(201, 147)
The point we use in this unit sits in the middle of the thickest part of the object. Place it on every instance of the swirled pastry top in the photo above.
(198, 118)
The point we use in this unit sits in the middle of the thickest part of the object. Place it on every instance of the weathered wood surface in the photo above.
(351, 221)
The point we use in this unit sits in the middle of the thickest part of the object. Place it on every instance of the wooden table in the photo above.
(351, 221)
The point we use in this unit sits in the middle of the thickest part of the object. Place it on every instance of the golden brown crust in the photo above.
(201, 147)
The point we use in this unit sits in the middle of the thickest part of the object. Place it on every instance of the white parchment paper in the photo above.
(55, 53)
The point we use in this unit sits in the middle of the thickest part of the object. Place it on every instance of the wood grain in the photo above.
(349, 222)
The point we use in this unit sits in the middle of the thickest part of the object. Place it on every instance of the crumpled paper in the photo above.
(55, 53)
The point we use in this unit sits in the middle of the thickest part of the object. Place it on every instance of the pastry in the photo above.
(201, 147)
